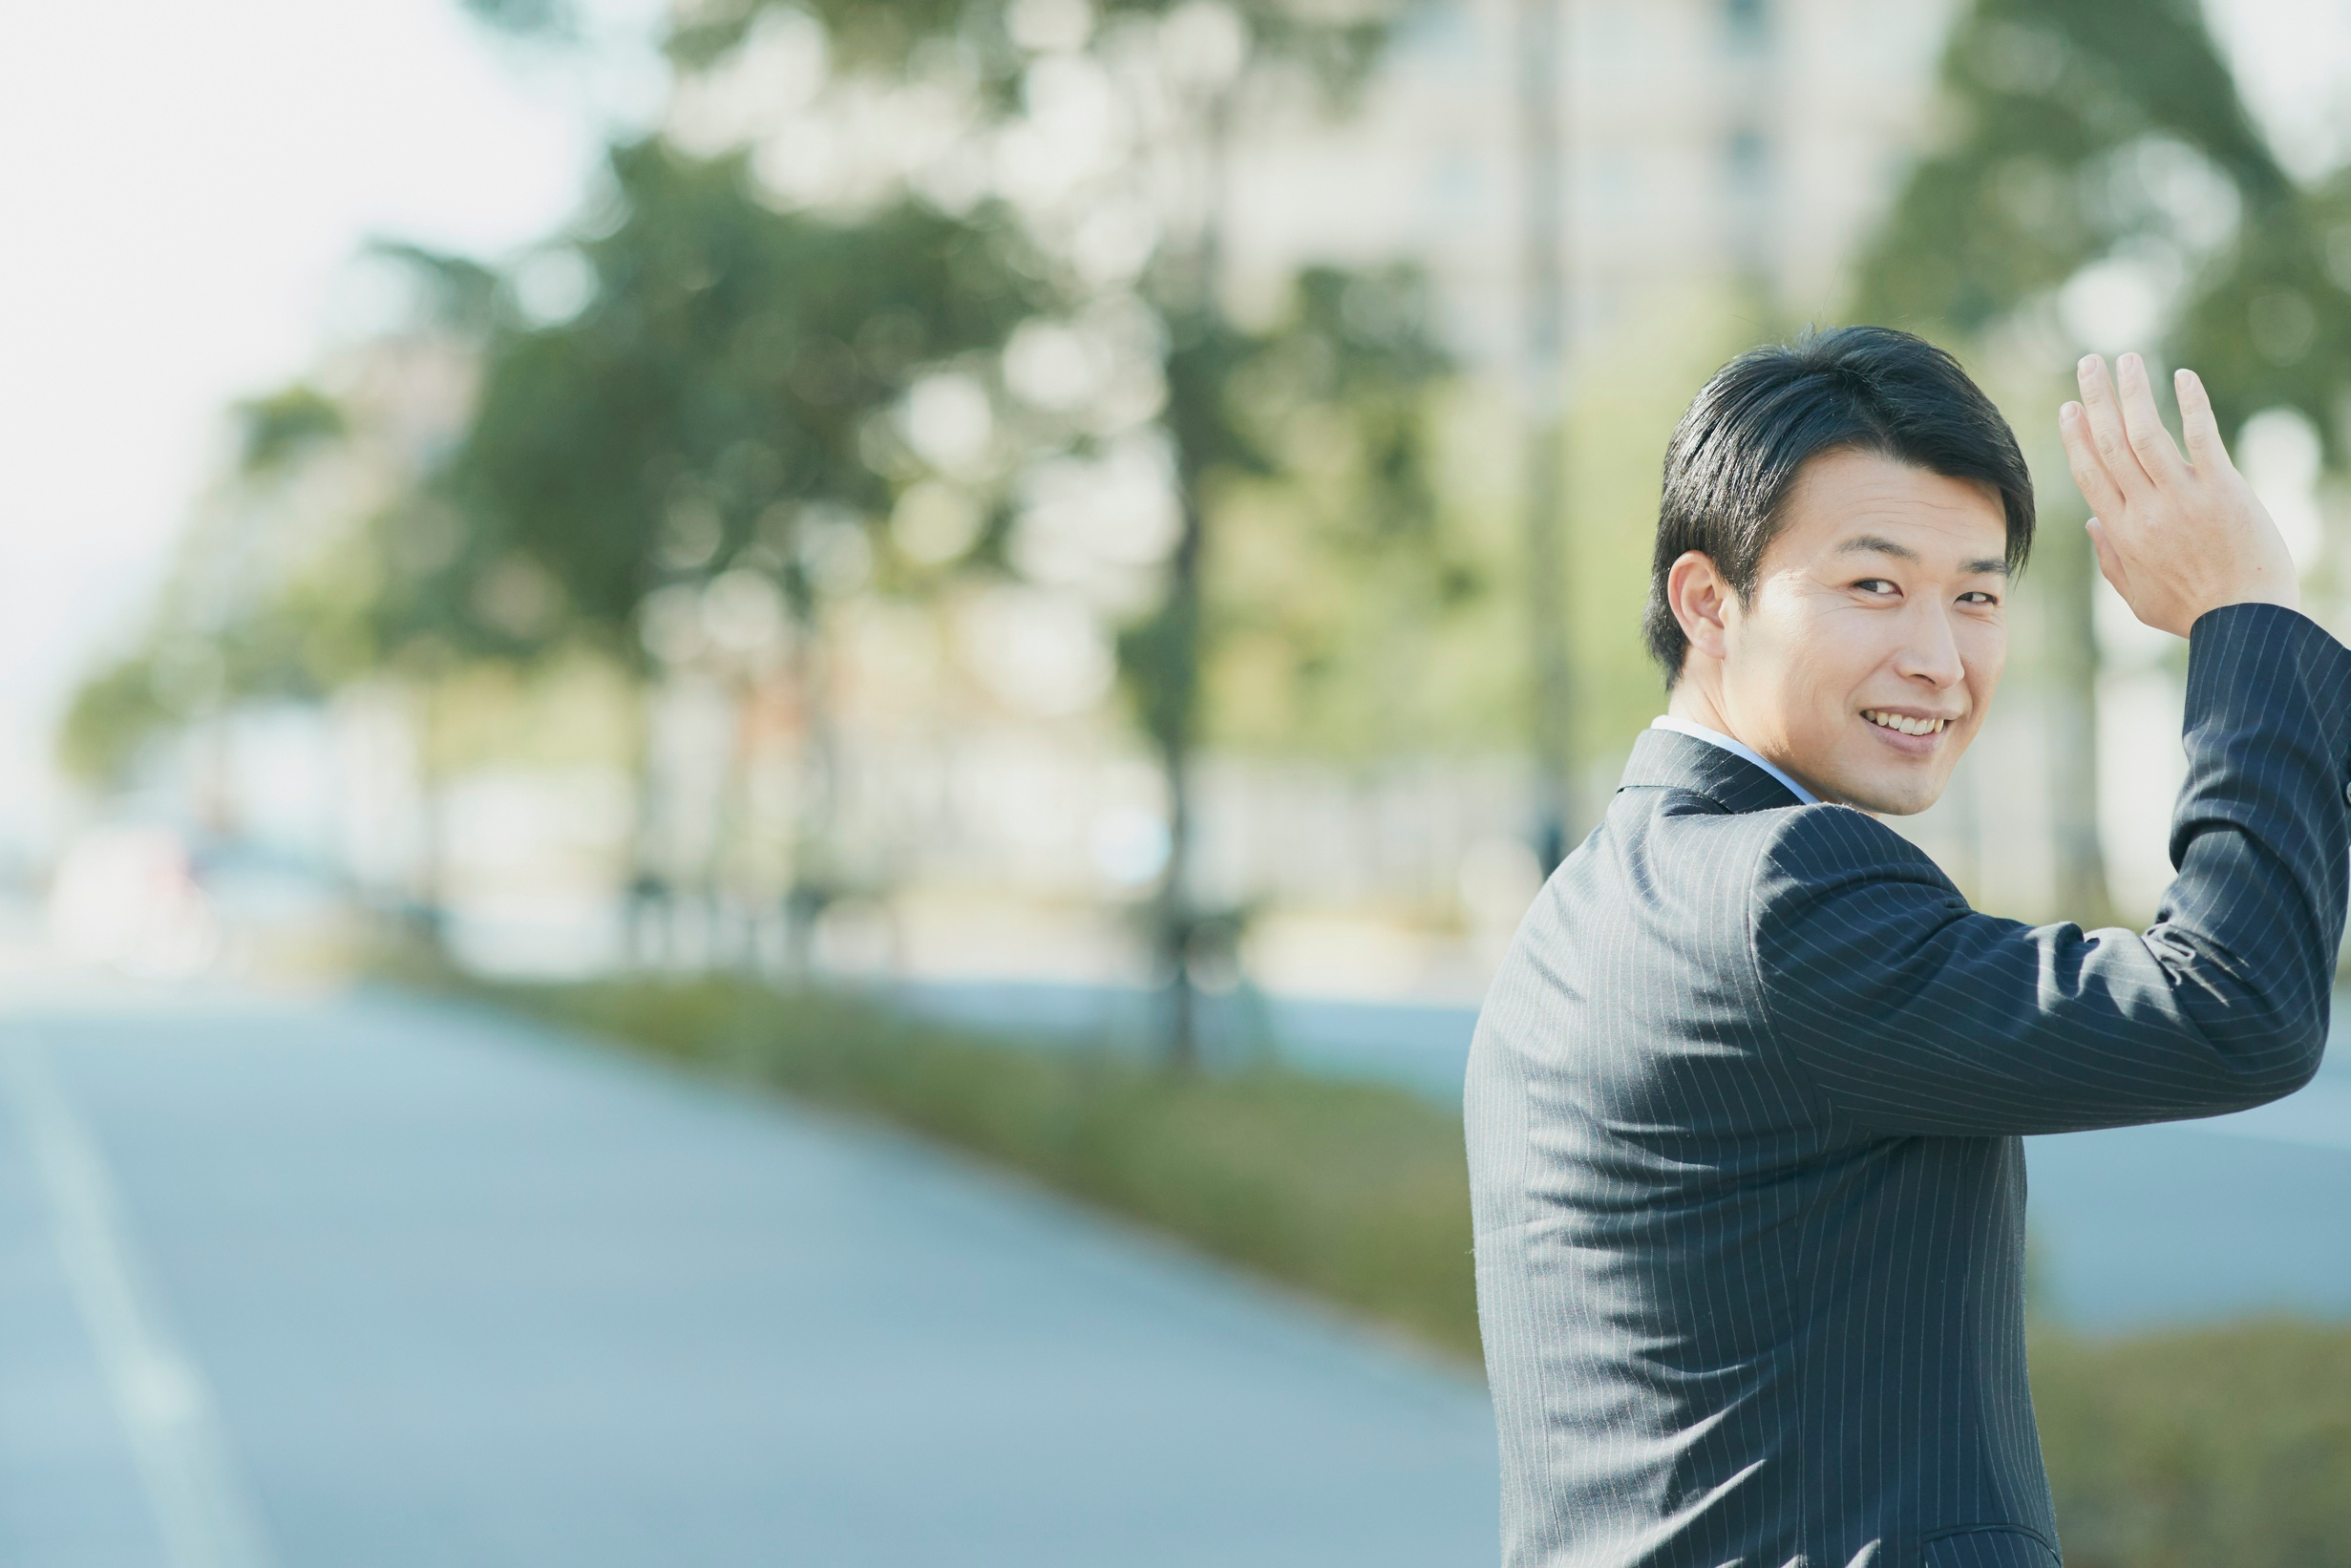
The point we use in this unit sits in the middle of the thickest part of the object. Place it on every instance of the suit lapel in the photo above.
(1668, 760)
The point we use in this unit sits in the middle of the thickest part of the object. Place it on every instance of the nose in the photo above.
(1930, 652)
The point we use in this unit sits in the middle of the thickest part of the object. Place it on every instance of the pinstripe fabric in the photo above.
(1743, 1114)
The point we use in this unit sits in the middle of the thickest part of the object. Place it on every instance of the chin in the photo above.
(1892, 796)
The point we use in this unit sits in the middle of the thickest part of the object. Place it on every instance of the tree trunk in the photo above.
(1177, 914)
(645, 913)
(815, 874)
(430, 912)
(1177, 721)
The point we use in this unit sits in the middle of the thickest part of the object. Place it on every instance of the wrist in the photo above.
(2286, 596)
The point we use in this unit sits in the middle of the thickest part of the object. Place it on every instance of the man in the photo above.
(1744, 1102)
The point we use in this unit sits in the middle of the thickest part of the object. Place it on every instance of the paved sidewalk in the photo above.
(384, 1282)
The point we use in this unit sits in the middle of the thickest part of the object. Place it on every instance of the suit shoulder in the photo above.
(1809, 847)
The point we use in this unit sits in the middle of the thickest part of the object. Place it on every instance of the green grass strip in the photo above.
(2192, 1449)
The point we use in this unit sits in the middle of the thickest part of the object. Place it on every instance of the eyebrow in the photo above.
(1872, 545)
(1875, 544)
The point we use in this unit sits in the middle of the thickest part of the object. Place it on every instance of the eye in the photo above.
(1880, 585)
(1978, 596)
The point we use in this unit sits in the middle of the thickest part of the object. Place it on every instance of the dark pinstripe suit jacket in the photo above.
(1743, 1110)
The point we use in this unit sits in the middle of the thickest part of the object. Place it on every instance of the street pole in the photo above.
(1542, 121)
(2068, 574)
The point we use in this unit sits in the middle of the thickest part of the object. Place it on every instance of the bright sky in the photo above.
(182, 185)
(184, 182)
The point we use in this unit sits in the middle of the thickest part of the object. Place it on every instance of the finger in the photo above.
(2090, 474)
(2110, 559)
(2199, 423)
(2106, 433)
(2149, 442)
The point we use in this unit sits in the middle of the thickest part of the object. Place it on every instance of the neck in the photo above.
(1696, 698)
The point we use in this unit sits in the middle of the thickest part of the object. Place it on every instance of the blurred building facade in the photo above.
(1711, 142)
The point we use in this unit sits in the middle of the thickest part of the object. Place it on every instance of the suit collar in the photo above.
(1668, 760)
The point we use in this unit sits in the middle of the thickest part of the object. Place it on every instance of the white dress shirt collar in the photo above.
(1715, 737)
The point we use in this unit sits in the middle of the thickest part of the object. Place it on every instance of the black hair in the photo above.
(1750, 430)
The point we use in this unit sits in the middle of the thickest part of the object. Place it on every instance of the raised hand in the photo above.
(2176, 536)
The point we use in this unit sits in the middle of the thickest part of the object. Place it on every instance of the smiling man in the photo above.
(1745, 1099)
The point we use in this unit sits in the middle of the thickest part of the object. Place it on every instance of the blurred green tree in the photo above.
(1339, 571)
(1203, 62)
(289, 585)
(713, 421)
(2103, 145)
(727, 363)
(219, 632)
(1328, 410)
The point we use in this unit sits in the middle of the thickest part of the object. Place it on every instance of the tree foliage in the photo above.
(1315, 442)
(2081, 132)
(278, 429)
(725, 376)
(1333, 45)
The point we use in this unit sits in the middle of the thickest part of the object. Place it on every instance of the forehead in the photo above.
(1840, 494)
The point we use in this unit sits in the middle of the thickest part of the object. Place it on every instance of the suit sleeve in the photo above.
(1914, 1014)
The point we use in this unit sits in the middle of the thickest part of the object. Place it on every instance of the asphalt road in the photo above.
(378, 1282)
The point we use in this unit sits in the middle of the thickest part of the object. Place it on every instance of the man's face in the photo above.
(1865, 658)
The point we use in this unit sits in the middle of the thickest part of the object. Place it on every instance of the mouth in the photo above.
(1913, 733)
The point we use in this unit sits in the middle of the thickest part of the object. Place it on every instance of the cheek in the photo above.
(1986, 657)
(1784, 631)
(1839, 657)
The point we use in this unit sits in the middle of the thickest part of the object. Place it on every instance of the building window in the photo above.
(1746, 22)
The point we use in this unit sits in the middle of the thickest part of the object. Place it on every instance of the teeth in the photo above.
(1906, 726)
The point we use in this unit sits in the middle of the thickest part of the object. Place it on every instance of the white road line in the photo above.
(207, 1518)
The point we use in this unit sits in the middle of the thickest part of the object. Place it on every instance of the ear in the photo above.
(1699, 597)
